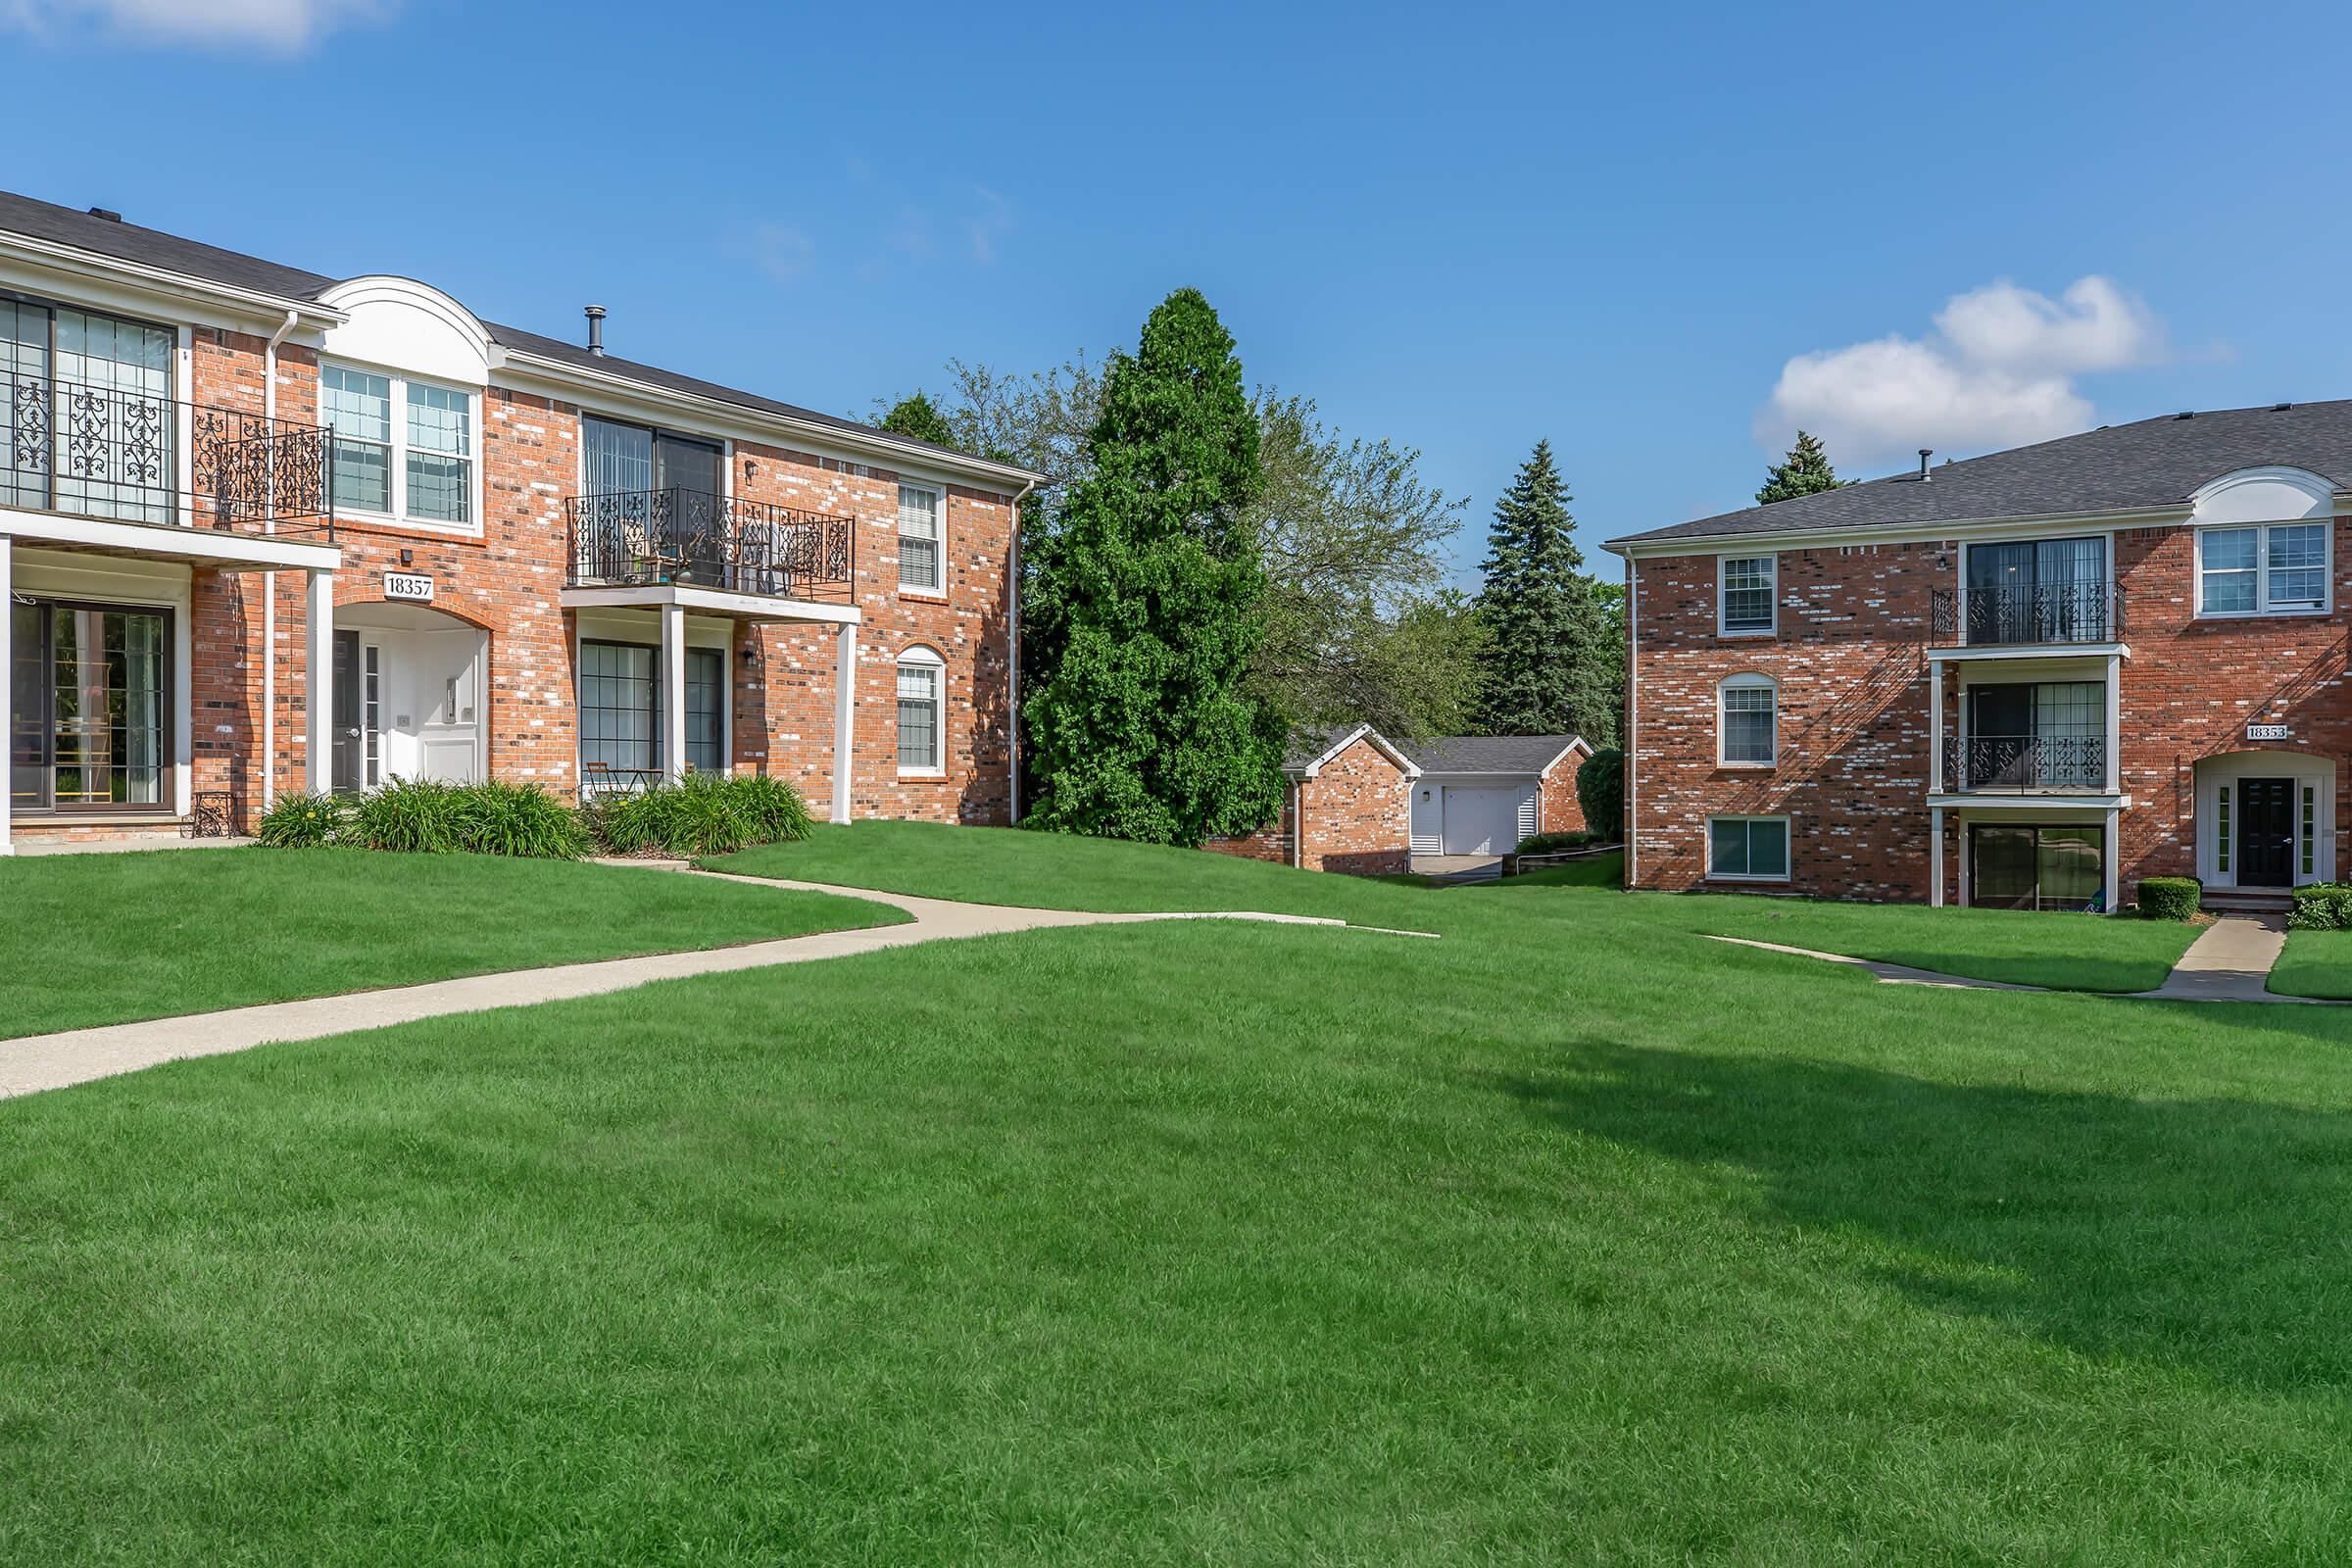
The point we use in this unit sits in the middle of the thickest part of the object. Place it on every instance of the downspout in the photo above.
(1633, 693)
(269, 578)
(1012, 719)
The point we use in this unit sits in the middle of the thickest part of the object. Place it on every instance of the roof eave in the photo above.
(253, 304)
(564, 373)
(1635, 546)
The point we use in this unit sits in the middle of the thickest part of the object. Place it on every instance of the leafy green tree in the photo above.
(1553, 666)
(1145, 606)
(1804, 472)
(916, 416)
(1601, 790)
(1358, 625)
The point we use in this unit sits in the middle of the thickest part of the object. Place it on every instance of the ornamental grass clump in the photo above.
(700, 813)
(300, 821)
(494, 817)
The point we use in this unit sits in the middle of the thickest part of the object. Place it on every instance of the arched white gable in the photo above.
(2264, 495)
(413, 327)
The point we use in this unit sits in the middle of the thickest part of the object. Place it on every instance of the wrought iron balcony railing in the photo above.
(2025, 762)
(95, 451)
(691, 538)
(2042, 614)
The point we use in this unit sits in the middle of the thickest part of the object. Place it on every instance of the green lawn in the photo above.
(1566, 1237)
(2315, 963)
(93, 939)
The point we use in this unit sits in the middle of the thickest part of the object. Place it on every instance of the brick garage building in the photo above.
(1483, 793)
(1347, 809)
(2027, 679)
(291, 531)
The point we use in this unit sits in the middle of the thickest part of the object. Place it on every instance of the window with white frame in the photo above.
(918, 538)
(1747, 725)
(420, 465)
(921, 675)
(1748, 848)
(1745, 595)
(2263, 569)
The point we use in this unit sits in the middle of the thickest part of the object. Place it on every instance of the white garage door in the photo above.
(1486, 821)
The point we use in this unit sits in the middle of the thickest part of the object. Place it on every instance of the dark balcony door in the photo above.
(2000, 730)
(2265, 833)
(2043, 591)
(689, 477)
(344, 755)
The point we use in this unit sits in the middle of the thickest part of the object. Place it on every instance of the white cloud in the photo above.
(287, 26)
(989, 223)
(1999, 370)
(781, 251)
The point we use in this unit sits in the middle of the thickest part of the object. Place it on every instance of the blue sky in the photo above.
(1657, 239)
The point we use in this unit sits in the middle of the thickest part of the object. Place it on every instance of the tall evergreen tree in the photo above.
(1804, 472)
(1552, 666)
(1144, 612)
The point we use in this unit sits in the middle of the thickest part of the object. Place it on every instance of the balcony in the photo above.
(113, 454)
(2024, 764)
(2036, 615)
(679, 538)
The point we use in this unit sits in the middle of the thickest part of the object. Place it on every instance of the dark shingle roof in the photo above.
(2148, 464)
(1488, 753)
(23, 214)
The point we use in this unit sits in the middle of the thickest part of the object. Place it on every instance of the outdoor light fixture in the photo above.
(407, 558)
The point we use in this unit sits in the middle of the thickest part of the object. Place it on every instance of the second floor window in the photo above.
(918, 538)
(1743, 594)
(1750, 723)
(2262, 571)
(418, 466)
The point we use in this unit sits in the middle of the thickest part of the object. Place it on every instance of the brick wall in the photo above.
(1557, 808)
(1850, 659)
(1355, 815)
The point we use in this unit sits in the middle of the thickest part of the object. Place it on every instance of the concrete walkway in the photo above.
(2231, 962)
(34, 1062)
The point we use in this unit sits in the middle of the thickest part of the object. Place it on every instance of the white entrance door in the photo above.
(449, 680)
(1481, 822)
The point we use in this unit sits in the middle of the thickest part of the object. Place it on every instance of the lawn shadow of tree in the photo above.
(2214, 1234)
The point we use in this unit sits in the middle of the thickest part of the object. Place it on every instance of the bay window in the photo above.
(2269, 569)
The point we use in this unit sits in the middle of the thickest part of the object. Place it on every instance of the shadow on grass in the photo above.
(2205, 1234)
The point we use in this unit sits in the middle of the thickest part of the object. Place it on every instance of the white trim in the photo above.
(1380, 743)
(1788, 846)
(1936, 732)
(844, 712)
(937, 589)
(1771, 560)
(1936, 858)
(242, 305)
(1953, 654)
(1747, 680)
(2209, 773)
(1574, 743)
(923, 655)
(2034, 526)
(318, 681)
(2028, 800)
(2263, 609)
(708, 601)
(166, 541)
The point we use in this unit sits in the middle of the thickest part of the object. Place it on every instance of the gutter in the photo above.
(258, 304)
(269, 578)
(2025, 525)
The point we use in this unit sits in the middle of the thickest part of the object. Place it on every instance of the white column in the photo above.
(7, 654)
(673, 690)
(1936, 858)
(319, 617)
(2111, 854)
(1935, 727)
(845, 707)
(2114, 731)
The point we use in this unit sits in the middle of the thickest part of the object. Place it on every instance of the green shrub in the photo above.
(1601, 790)
(2170, 897)
(409, 817)
(1555, 843)
(300, 821)
(702, 814)
(521, 819)
(2322, 906)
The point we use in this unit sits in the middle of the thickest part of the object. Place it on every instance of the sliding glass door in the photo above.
(88, 422)
(2035, 867)
(2039, 591)
(90, 691)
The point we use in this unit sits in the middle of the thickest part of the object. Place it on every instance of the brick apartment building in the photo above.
(2028, 679)
(263, 529)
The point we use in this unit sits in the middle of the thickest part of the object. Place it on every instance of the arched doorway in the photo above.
(411, 699)
(2266, 819)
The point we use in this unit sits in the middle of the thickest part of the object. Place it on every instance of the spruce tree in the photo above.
(1144, 612)
(1804, 472)
(1552, 666)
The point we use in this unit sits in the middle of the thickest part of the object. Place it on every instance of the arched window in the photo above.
(1748, 722)
(922, 683)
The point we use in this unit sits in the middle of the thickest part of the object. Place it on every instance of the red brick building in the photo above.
(1348, 808)
(263, 529)
(2028, 679)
